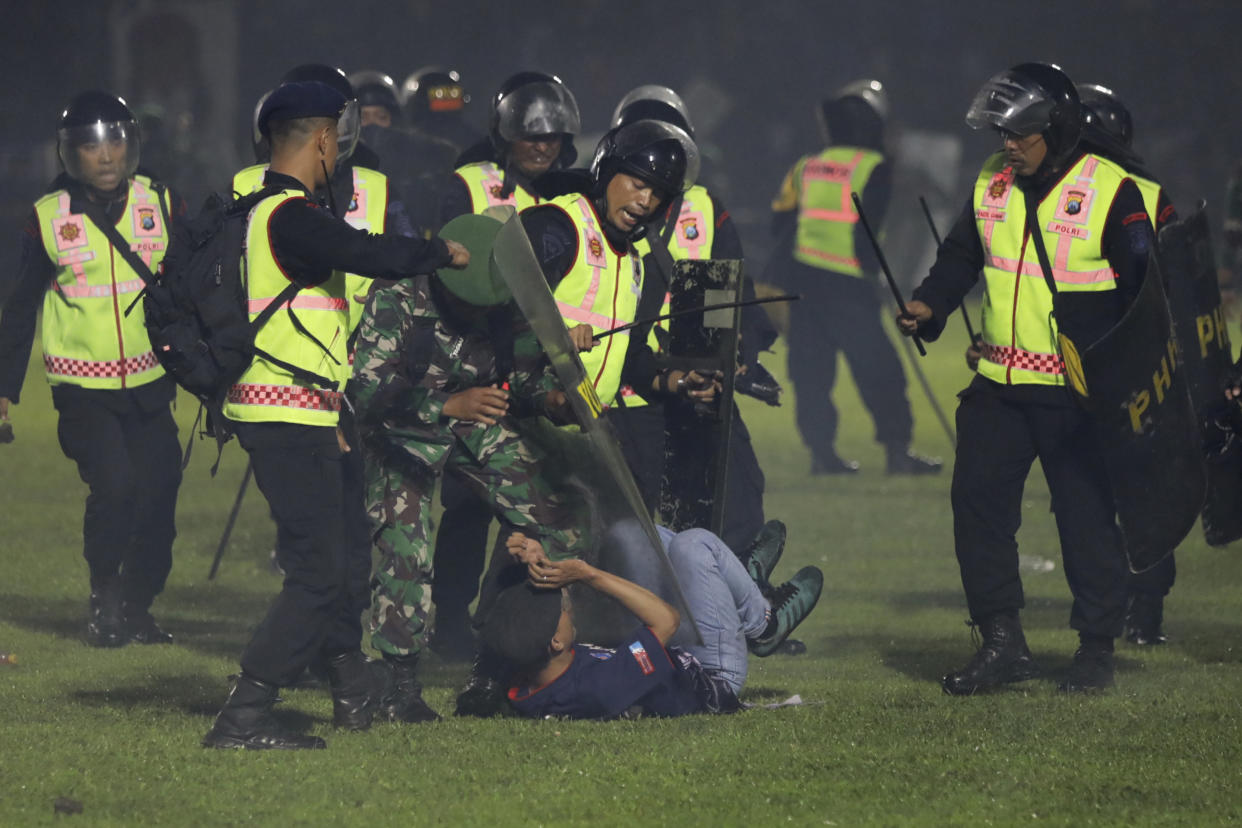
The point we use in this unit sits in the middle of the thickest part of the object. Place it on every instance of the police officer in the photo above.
(109, 390)
(830, 260)
(435, 99)
(694, 225)
(534, 117)
(290, 426)
(417, 163)
(1018, 407)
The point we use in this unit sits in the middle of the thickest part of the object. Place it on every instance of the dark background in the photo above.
(751, 73)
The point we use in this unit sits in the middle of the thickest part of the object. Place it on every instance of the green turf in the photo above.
(876, 742)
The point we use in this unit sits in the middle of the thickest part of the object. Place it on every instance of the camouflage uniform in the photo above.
(407, 364)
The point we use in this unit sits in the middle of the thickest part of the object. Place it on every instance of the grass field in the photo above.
(876, 742)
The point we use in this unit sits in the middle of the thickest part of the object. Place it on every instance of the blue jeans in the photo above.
(726, 603)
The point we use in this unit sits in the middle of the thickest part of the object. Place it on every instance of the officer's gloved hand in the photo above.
(756, 381)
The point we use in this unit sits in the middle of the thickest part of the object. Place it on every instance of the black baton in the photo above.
(974, 337)
(888, 274)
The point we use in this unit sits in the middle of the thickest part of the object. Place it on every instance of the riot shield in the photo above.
(1137, 395)
(585, 463)
(1203, 336)
(696, 456)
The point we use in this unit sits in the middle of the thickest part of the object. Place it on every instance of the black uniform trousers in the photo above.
(315, 493)
(461, 545)
(841, 314)
(1000, 434)
(125, 445)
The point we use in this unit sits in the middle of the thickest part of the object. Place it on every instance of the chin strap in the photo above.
(328, 178)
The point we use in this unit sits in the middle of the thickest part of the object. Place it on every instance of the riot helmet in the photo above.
(262, 147)
(653, 102)
(1030, 99)
(661, 154)
(376, 89)
(98, 140)
(855, 114)
(1102, 109)
(530, 104)
(433, 90)
(349, 124)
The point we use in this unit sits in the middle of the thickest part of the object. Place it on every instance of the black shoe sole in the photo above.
(236, 743)
(1025, 673)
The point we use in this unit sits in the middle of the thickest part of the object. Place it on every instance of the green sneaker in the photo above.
(791, 602)
(764, 551)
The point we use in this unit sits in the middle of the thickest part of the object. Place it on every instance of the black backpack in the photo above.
(196, 308)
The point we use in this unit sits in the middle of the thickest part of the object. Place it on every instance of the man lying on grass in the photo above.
(532, 625)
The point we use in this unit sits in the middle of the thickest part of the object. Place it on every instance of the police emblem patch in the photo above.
(998, 185)
(69, 232)
(690, 229)
(353, 203)
(1073, 202)
(495, 191)
(597, 249)
(146, 218)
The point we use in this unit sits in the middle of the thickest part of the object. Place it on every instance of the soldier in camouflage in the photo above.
(432, 393)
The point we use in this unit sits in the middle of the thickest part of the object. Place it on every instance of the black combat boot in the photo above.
(359, 685)
(104, 627)
(246, 721)
(485, 694)
(405, 702)
(139, 626)
(1145, 619)
(1092, 667)
(1003, 658)
(902, 460)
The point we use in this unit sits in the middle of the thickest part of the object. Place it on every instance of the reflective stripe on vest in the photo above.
(485, 181)
(826, 215)
(367, 210)
(87, 339)
(1019, 331)
(601, 289)
(266, 392)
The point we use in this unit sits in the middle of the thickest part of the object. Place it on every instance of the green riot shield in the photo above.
(584, 464)
(1136, 392)
(696, 455)
(1199, 324)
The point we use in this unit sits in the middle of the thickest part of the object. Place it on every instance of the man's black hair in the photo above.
(521, 625)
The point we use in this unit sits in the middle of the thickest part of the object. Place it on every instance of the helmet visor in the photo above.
(1012, 104)
(651, 92)
(537, 109)
(102, 154)
(348, 128)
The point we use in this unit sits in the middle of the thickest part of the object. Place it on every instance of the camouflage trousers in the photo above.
(399, 502)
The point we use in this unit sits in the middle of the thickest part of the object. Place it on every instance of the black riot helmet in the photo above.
(349, 125)
(1031, 98)
(855, 114)
(530, 104)
(97, 118)
(374, 88)
(433, 91)
(1103, 109)
(661, 154)
(262, 147)
(653, 102)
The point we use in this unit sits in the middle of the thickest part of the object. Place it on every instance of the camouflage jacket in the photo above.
(408, 362)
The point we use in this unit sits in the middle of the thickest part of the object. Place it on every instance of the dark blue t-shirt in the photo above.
(602, 684)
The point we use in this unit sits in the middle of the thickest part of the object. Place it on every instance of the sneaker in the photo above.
(1144, 618)
(833, 465)
(791, 602)
(765, 550)
(1092, 668)
(905, 461)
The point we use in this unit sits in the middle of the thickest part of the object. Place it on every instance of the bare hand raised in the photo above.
(485, 404)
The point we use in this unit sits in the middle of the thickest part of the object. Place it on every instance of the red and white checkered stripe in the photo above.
(108, 368)
(288, 396)
(1023, 360)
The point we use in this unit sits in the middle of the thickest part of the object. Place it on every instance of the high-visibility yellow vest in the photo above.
(267, 392)
(826, 216)
(1019, 330)
(484, 181)
(601, 289)
(87, 338)
(692, 238)
(367, 210)
(1150, 191)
